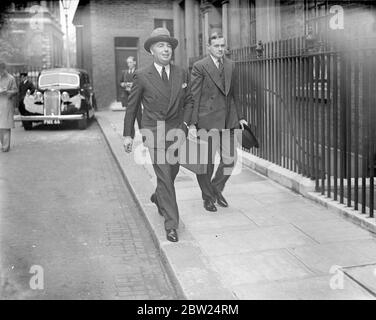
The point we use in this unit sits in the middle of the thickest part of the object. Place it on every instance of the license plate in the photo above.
(57, 121)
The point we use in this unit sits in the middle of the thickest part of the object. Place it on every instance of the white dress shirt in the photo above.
(159, 69)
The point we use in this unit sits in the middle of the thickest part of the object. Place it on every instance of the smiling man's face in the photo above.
(162, 52)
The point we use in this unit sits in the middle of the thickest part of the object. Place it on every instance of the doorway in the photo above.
(124, 47)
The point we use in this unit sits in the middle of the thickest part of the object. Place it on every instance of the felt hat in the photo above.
(160, 34)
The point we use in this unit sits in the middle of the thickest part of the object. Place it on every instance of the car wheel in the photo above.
(27, 125)
(82, 123)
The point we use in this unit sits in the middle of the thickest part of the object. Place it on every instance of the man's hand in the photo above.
(122, 84)
(243, 122)
(193, 130)
(184, 127)
(128, 142)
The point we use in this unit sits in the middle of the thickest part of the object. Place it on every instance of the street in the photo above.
(65, 210)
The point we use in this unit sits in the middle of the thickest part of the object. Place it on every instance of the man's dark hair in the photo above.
(215, 35)
(23, 74)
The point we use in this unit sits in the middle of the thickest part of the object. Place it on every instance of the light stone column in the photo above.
(189, 29)
(177, 32)
(225, 18)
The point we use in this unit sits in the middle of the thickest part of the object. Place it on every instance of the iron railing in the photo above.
(313, 111)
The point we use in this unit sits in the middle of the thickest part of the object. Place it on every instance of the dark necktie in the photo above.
(164, 75)
(220, 65)
(221, 73)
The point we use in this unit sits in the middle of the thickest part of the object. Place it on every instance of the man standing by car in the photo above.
(217, 111)
(126, 83)
(163, 90)
(25, 87)
(8, 90)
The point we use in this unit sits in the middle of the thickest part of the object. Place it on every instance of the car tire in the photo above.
(27, 125)
(82, 123)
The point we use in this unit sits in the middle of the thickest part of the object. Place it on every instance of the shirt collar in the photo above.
(216, 60)
(159, 69)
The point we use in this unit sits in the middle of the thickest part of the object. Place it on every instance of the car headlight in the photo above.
(38, 96)
(65, 96)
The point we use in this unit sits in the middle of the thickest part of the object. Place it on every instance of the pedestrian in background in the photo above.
(163, 90)
(25, 87)
(8, 91)
(216, 109)
(126, 83)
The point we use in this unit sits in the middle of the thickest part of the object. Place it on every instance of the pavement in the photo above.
(270, 243)
(65, 209)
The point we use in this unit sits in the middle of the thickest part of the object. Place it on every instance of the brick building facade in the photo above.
(33, 28)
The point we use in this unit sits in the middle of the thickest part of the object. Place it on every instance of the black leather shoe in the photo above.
(172, 235)
(153, 199)
(221, 200)
(209, 205)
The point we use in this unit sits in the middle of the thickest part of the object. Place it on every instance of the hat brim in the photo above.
(174, 42)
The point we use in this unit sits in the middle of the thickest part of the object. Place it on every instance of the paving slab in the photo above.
(315, 288)
(322, 257)
(259, 266)
(242, 241)
(332, 230)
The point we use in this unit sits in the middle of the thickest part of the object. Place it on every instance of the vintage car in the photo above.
(62, 94)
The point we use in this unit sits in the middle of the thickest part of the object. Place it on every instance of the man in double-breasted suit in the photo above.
(216, 111)
(163, 90)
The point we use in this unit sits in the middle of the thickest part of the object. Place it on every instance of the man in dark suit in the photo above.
(126, 83)
(163, 90)
(217, 111)
(25, 85)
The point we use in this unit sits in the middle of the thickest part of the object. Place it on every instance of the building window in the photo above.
(165, 23)
(316, 16)
(252, 22)
(126, 42)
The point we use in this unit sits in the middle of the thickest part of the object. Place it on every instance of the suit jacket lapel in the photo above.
(213, 73)
(156, 80)
(228, 74)
(176, 83)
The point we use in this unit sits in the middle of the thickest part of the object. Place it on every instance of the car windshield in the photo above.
(59, 79)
